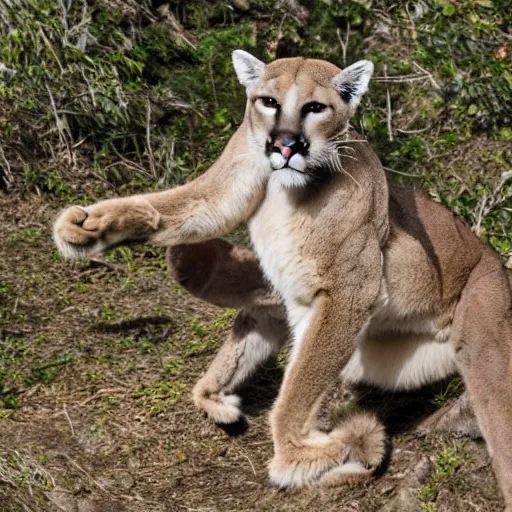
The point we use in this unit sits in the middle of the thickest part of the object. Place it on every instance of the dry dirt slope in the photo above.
(97, 362)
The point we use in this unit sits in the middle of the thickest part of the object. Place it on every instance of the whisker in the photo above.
(347, 148)
(349, 156)
(339, 134)
(337, 164)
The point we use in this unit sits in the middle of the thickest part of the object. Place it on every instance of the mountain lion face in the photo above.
(297, 110)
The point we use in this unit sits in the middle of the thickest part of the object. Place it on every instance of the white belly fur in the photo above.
(417, 355)
(407, 362)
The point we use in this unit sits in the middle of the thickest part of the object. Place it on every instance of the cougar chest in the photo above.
(279, 234)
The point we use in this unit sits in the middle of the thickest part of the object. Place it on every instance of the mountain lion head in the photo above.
(297, 109)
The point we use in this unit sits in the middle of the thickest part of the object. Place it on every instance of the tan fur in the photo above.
(376, 284)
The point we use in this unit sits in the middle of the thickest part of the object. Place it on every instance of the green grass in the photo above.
(16, 373)
(49, 369)
(446, 464)
(18, 470)
(24, 235)
(226, 319)
(159, 397)
(450, 392)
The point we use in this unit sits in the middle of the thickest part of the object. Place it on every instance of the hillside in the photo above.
(100, 98)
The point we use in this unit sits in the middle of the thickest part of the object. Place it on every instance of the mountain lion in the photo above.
(372, 283)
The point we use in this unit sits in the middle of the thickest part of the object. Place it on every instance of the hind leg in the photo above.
(230, 276)
(456, 417)
(223, 274)
(482, 337)
(254, 338)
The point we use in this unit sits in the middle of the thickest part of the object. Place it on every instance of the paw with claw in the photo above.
(82, 231)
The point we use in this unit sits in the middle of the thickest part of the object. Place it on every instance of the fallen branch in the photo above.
(431, 78)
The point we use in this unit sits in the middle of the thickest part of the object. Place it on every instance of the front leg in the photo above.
(230, 276)
(209, 206)
(304, 454)
(82, 231)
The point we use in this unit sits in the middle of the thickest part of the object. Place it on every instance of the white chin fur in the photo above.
(289, 174)
(289, 178)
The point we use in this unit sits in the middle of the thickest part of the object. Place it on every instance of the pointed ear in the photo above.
(248, 69)
(352, 82)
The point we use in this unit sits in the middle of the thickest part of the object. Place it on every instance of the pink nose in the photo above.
(286, 151)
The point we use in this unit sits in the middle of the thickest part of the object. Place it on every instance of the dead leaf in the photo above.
(501, 53)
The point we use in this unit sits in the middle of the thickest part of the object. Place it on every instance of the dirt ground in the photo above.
(98, 359)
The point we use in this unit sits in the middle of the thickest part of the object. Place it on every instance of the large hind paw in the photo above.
(348, 454)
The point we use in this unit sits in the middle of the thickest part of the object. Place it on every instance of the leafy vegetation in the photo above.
(101, 98)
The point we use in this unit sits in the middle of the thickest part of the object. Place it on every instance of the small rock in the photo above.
(405, 501)
(388, 489)
(243, 5)
(423, 470)
(125, 481)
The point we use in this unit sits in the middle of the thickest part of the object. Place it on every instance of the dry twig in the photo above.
(344, 44)
(149, 149)
(414, 34)
(69, 420)
(82, 470)
(429, 75)
(58, 121)
(489, 202)
(403, 173)
(388, 101)
(7, 176)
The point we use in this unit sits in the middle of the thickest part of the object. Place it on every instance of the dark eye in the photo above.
(269, 102)
(314, 107)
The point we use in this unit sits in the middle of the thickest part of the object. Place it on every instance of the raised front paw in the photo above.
(71, 237)
(82, 231)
